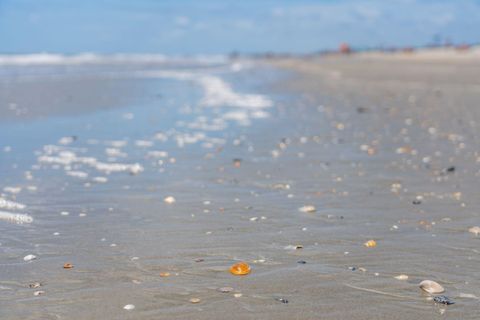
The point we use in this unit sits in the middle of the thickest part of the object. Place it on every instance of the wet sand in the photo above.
(359, 138)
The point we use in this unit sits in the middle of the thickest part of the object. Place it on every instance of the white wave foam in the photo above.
(15, 217)
(11, 205)
(91, 58)
(217, 92)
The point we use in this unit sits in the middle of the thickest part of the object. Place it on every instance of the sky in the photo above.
(186, 27)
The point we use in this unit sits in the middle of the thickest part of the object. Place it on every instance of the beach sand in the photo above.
(384, 147)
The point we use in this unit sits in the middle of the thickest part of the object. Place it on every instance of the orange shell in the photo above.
(68, 266)
(370, 244)
(240, 269)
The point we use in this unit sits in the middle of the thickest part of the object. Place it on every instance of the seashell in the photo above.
(169, 200)
(443, 300)
(29, 257)
(67, 266)
(37, 293)
(431, 286)
(402, 277)
(195, 300)
(225, 289)
(293, 247)
(164, 274)
(240, 269)
(237, 295)
(35, 285)
(307, 209)
(129, 307)
(370, 244)
(475, 230)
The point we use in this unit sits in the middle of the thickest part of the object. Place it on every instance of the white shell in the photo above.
(169, 200)
(401, 277)
(475, 230)
(29, 257)
(431, 286)
(129, 307)
(307, 209)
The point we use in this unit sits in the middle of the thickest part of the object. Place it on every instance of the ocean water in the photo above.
(90, 147)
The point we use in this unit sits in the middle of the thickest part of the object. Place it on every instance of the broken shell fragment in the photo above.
(240, 269)
(164, 274)
(225, 289)
(475, 230)
(307, 209)
(39, 292)
(35, 285)
(370, 244)
(67, 266)
(129, 307)
(402, 277)
(431, 286)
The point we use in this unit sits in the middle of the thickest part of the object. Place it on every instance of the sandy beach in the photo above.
(171, 174)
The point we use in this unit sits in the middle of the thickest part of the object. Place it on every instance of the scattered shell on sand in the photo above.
(129, 307)
(443, 300)
(195, 300)
(164, 274)
(29, 257)
(293, 247)
(225, 289)
(35, 285)
(475, 230)
(39, 292)
(169, 200)
(67, 266)
(240, 269)
(402, 277)
(237, 295)
(370, 244)
(431, 286)
(307, 209)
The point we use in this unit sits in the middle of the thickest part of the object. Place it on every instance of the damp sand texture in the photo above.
(339, 183)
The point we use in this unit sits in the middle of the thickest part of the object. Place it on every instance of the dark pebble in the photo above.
(451, 169)
(282, 300)
(301, 262)
(352, 268)
(416, 201)
(443, 300)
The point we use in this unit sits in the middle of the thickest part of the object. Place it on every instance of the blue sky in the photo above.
(217, 27)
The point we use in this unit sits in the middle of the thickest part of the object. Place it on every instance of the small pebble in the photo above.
(301, 262)
(225, 289)
(237, 295)
(402, 277)
(129, 307)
